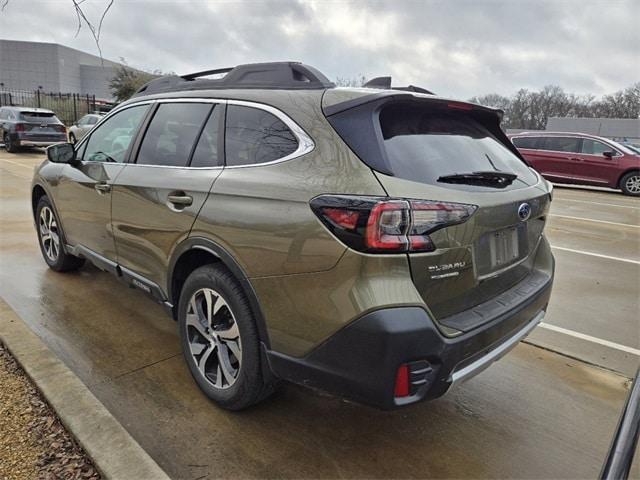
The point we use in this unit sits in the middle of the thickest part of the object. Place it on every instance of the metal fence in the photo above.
(68, 107)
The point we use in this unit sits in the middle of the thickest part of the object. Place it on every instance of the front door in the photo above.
(83, 194)
(157, 197)
(595, 167)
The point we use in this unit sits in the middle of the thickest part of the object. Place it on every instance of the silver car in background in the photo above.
(80, 129)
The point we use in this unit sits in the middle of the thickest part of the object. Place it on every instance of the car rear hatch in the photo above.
(430, 149)
(41, 126)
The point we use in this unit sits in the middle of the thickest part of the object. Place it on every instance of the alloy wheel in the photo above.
(49, 236)
(633, 184)
(214, 338)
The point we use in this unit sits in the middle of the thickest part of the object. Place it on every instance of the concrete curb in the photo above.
(114, 452)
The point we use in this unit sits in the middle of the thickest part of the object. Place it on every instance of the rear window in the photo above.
(423, 144)
(560, 144)
(525, 142)
(41, 117)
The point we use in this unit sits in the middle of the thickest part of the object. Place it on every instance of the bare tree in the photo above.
(357, 81)
(81, 16)
(531, 110)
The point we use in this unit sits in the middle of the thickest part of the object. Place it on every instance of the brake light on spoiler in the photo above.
(383, 225)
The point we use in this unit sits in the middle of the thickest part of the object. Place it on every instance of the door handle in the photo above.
(102, 187)
(180, 199)
(575, 159)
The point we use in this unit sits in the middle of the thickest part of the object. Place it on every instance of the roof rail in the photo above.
(385, 84)
(273, 75)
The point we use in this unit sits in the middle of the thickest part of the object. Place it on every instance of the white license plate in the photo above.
(504, 247)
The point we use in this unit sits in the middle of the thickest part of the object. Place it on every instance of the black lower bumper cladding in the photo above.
(360, 362)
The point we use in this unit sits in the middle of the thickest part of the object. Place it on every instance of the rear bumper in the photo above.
(31, 143)
(22, 140)
(360, 361)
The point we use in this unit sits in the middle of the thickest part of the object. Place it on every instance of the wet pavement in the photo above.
(536, 413)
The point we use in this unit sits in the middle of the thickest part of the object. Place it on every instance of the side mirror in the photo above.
(609, 154)
(62, 153)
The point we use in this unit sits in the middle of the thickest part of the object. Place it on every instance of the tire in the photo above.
(222, 350)
(72, 138)
(630, 184)
(9, 146)
(51, 239)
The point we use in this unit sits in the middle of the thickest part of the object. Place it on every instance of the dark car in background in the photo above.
(30, 127)
(578, 158)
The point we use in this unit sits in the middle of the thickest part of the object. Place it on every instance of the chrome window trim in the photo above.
(305, 143)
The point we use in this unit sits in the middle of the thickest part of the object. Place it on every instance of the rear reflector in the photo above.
(341, 218)
(402, 382)
(381, 225)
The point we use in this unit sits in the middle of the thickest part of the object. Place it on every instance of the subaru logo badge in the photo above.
(524, 211)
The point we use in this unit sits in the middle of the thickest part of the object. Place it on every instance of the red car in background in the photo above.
(582, 159)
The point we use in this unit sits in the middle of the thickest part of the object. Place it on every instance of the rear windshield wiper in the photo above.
(484, 179)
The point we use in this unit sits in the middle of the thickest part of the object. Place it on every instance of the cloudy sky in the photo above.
(455, 48)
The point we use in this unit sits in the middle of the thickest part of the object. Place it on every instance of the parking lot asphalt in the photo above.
(538, 413)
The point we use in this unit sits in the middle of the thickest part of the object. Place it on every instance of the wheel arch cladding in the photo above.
(196, 252)
(36, 194)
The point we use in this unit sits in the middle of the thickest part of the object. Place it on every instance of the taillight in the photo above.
(19, 127)
(60, 128)
(381, 225)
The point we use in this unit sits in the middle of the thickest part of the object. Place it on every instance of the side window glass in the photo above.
(525, 142)
(82, 121)
(562, 144)
(593, 147)
(255, 136)
(172, 133)
(206, 153)
(111, 140)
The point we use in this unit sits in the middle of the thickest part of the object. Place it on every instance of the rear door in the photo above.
(558, 157)
(157, 197)
(493, 250)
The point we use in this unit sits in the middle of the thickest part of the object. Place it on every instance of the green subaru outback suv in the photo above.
(382, 244)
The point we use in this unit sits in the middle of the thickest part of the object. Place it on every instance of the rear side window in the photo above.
(423, 144)
(172, 134)
(255, 136)
(206, 153)
(560, 144)
(593, 147)
(525, 142)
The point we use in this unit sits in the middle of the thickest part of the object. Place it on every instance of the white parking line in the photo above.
(589, 338)
(596, 221)
(560, 199)
(592, 254)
